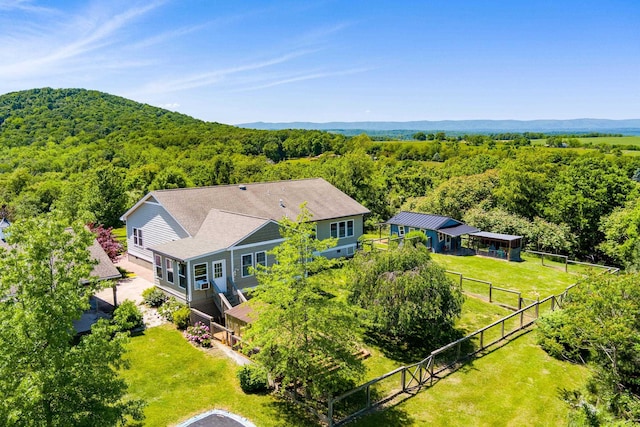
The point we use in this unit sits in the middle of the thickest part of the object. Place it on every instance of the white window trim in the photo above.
(249, 265)
(137, 237)
(182, 276)
(157, 264)
(206, 275)
(401, 230)
(168, 268)
(255, 257)
(345, 224)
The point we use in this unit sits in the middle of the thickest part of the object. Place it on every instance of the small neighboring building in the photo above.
(444, 234)
(203, 242)
(496, 245)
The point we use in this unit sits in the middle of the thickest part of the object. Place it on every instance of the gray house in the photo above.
(202, 242)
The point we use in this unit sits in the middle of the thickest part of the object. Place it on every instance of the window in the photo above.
(342, 229)
(168, 265)
(200, 273)
(182, 277)
(247, 262)
(137, 237)
(217, 270)
(261, 258)
(401, 230)
(158, 264)
(440, 237)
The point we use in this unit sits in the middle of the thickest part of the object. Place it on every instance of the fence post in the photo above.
(403, 380)
(521, 319)
(538, 308)
(502, 324)
(482, 340)
(330, 411)
(368, 396)
(490, 292)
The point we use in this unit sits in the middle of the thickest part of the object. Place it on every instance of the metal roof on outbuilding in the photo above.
(496, 236)
(420, 220)
(458, 230)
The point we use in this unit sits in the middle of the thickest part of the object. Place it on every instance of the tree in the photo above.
(600, 324)
(405, 295)
(46, 378)
(420, 136)
(306, 337)
(621, 231)
(106, 197)
(107, 241)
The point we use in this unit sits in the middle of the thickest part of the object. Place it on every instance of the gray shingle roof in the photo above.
(219, 231)
(272, 200)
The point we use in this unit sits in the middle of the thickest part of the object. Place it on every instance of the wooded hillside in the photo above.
(92, 155)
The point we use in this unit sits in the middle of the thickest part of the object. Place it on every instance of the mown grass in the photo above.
(529, 276)
(179, 381)
(516, 385)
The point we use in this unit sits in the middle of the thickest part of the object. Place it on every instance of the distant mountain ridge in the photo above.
(628, 126)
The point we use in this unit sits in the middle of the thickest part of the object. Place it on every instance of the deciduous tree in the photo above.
(306, 337)
(47, 378)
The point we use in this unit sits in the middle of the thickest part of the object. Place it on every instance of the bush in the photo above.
(169, 307)
(154, 297)
(199, 334)
(253, 378)
(182, 317)
(127, 316)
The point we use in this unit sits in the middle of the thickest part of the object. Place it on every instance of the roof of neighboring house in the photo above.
(270, 200)
(105, 269)
(4, 223)
(219, 230)
(496, 236)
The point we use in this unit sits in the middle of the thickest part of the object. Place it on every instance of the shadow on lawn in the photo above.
(410, 351)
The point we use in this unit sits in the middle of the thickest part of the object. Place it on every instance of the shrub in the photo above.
(415, 238)
(169, 307)
(199, 334)
(127, 316)
(253, 378)
(182, 317)
(154, 297)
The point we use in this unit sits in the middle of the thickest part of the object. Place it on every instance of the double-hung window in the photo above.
(182, 276)
(168, 263)
(201, 276)
(342, 229)
(247, 263)
(261, 259)
(158, 265)
(137, 237)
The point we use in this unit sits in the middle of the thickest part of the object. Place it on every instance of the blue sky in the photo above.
(238, 61)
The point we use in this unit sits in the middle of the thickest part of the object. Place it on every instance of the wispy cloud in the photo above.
(37, 50)
(212, 77)
(303, 77)
(24, 5)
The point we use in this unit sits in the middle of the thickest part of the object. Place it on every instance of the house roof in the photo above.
(271, 200)
(105, 269)
(420, 220)
(219, 230)
(496, 236)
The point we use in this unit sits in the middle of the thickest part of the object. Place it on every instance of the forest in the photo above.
(92, 155)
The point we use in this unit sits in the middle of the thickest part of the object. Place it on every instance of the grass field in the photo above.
(529, 276)
(514, 385)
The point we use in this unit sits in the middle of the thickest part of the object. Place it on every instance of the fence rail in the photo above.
(439, 363)
(490, 291)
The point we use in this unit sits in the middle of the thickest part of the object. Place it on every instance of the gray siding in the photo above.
(323, 229)
(157, 227)
(269, 232)
(171, 288)
(250, 281)
(199, 296)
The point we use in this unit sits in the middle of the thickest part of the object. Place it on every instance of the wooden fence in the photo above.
(509, 298)
(406, 380)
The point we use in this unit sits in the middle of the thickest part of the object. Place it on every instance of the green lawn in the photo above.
(516, 385)
(179, 381)
(529, 277)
